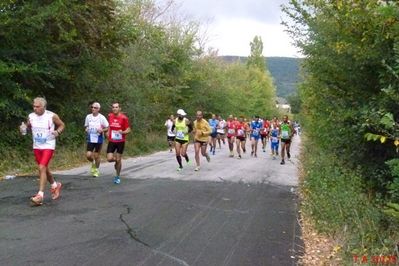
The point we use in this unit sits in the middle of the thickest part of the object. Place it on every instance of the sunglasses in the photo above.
(93, 107)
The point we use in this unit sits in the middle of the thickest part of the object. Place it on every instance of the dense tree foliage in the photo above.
(351, 89)
(75, 52)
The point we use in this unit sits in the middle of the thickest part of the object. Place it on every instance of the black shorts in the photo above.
(181, 141)
(171, 138)
(287, 141)
(116, 146)
(263, 136)
(241, 138)
(203, 143)
(94, 147)
(214, 135)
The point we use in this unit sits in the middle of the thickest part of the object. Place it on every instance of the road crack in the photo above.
(133, 235)
(130, 231)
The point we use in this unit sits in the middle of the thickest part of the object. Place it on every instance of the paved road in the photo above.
(232, 212)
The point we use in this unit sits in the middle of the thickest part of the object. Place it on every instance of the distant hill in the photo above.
(284, 70)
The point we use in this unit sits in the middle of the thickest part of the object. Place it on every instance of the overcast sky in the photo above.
(232, 25)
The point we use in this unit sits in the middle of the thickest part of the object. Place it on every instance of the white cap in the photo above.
(181, 112)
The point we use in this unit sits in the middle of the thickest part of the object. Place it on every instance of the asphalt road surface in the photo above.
(232, 212)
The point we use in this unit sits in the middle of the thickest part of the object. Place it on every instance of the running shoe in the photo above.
(93, 169)
(244, 150)
(239, 156)
(213, 152)
(256, 156)
(282, 162)
(197, 168)
(179, 169)
(55, 192)
(37, 200)
(96, 173)
(208, 158)
(117, 180)
(252, 153)
(288, 155)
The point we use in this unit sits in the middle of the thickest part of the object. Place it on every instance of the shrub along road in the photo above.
(231, 212)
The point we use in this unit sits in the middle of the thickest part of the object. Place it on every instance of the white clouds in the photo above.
(233, 37)
(232, 24)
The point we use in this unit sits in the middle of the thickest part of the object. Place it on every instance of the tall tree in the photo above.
(256, 58)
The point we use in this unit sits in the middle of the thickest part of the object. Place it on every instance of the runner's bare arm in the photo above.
(126, 131)
(59, 125)
(190, 126)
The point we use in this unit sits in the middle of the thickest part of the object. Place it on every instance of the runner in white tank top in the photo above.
(46, 126)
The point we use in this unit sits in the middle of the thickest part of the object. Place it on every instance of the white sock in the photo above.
(41, 193)
(54, 185)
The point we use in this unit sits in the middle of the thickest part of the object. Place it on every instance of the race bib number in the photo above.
(40, 139)
(255, 132)
(40, 136)
(240, 132)
(116, 135)
(284, 134)
(93, 137)
(231, 131)
(180, 135)
(274, 139)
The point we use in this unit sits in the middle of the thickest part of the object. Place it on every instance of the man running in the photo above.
(46, 126)
(240, 136)
(119, 127)
(274, 139)
(231, 134)
(213, 123)
(264, 134)
(183, 127)
(256, 126)
(169, 132)
(95, 126)
(286, 131)
(221, 131)
(202, 130)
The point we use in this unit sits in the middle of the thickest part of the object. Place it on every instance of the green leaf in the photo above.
(388, 121)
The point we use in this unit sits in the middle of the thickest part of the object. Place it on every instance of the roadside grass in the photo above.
(334, 200)
(22, 162)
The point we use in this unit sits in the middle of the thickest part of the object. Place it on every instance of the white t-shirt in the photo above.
(94, 123)
(169, 125)
(221, 126)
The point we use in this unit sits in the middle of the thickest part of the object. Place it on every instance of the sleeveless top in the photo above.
(42, 129)
(181, 129)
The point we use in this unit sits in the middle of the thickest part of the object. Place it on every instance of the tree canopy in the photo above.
(135, 52)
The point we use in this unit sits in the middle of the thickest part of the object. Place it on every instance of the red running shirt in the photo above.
(240, 127)
(231, 129)
(119, 122)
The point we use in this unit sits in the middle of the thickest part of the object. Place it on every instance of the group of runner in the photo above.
(46, 126)
(236, 130)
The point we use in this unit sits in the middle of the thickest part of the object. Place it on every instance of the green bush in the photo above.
(335, 199)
